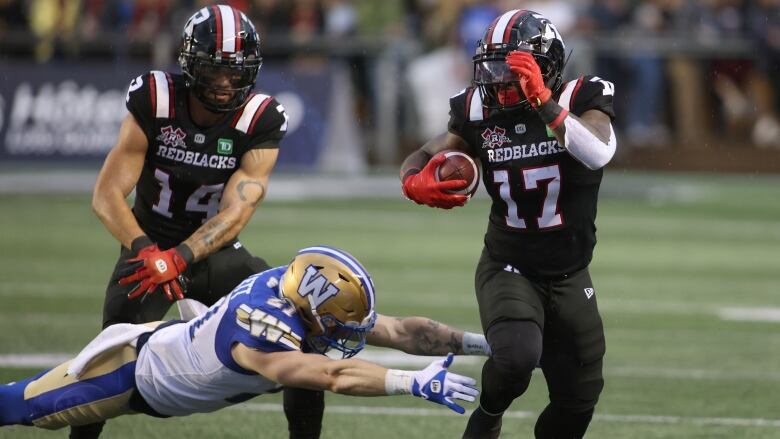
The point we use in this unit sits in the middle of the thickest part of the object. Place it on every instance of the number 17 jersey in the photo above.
(186, 166)
(542, 219)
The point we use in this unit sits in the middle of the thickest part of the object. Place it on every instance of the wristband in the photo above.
(398, 382)
(186, 253)
(475, 344)
(552, 114)
(140, 242)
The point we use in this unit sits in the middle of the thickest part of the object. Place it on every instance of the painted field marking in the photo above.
(632, 419)
(769, 315)
(399, 359)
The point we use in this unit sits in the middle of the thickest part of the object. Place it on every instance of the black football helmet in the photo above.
(220, 55)
(516, 30)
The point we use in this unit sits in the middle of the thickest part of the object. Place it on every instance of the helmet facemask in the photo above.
(209, 79)
(497, 85)
(220, 70)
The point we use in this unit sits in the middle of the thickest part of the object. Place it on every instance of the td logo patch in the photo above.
(436, 386)
(224, 146)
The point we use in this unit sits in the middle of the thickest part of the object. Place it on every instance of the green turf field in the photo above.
(683, 268)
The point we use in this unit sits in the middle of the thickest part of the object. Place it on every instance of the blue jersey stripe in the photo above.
(83, 392)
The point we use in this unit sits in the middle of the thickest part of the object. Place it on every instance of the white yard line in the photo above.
(399, 359)
(632, 419)
(768, 314)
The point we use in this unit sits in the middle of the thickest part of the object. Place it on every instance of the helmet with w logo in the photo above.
(335, 297)
(516, 30)
(220, 56)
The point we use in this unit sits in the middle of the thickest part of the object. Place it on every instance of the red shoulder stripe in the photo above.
(153, 94)
(574, 93)
(258, 113)
(467, 110)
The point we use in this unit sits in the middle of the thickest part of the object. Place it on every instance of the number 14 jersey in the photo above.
(542, 219)
(186, 166)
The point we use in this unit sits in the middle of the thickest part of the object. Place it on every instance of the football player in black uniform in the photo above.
(198, 149)
(541, 144)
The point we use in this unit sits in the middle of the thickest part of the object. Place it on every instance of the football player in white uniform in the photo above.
(249, 343)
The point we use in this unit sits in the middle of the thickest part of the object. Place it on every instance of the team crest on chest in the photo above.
(494, 138)
(172, 137)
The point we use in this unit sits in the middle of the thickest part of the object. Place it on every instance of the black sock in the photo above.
(560, 423)
(304, 410)
(89, 431)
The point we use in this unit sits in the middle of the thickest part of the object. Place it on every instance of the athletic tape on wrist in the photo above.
(398, 382)
(475, 344)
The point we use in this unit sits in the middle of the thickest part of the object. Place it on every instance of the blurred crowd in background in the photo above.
(688, 73)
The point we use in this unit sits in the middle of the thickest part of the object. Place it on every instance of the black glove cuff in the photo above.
(409, 173)
(139, 243)
(552, 114)
(186, 253)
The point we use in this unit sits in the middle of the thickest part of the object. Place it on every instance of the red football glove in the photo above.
(422, 188)
(155, 268)
(524, 65)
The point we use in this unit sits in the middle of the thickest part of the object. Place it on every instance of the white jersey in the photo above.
(188, 368)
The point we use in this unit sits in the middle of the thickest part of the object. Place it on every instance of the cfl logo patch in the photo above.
(589, 292)
(162, 267)
(436, 386)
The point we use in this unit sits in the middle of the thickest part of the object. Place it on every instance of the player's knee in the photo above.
(516, 347)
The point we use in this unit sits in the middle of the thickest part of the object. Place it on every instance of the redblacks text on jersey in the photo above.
(542, 220)
(187, 166)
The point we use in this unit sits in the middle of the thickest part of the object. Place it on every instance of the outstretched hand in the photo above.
(437, 384)
(423, 188)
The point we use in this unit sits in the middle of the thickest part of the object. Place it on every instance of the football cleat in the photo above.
(334, 295)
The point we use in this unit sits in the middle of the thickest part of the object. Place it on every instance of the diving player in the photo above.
(248, 343)
(542, 144)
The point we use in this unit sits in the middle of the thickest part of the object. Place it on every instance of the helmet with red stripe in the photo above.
(220, 57)
(516, 30)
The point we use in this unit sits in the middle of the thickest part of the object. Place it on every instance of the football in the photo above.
(459, 166)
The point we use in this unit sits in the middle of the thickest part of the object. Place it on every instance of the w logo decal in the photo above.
(316, 285)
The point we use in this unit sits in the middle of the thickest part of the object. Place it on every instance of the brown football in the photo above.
(459, 166)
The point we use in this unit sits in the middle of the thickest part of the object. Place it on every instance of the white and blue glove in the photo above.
(434, 383)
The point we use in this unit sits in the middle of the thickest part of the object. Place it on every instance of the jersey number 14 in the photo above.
(205, 199)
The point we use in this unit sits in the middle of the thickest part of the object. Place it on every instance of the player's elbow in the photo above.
(99, 204)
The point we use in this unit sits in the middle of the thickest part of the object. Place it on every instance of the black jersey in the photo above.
(187, 166)
(542, 220)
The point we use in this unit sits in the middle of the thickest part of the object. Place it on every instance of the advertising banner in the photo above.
(70, 112)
